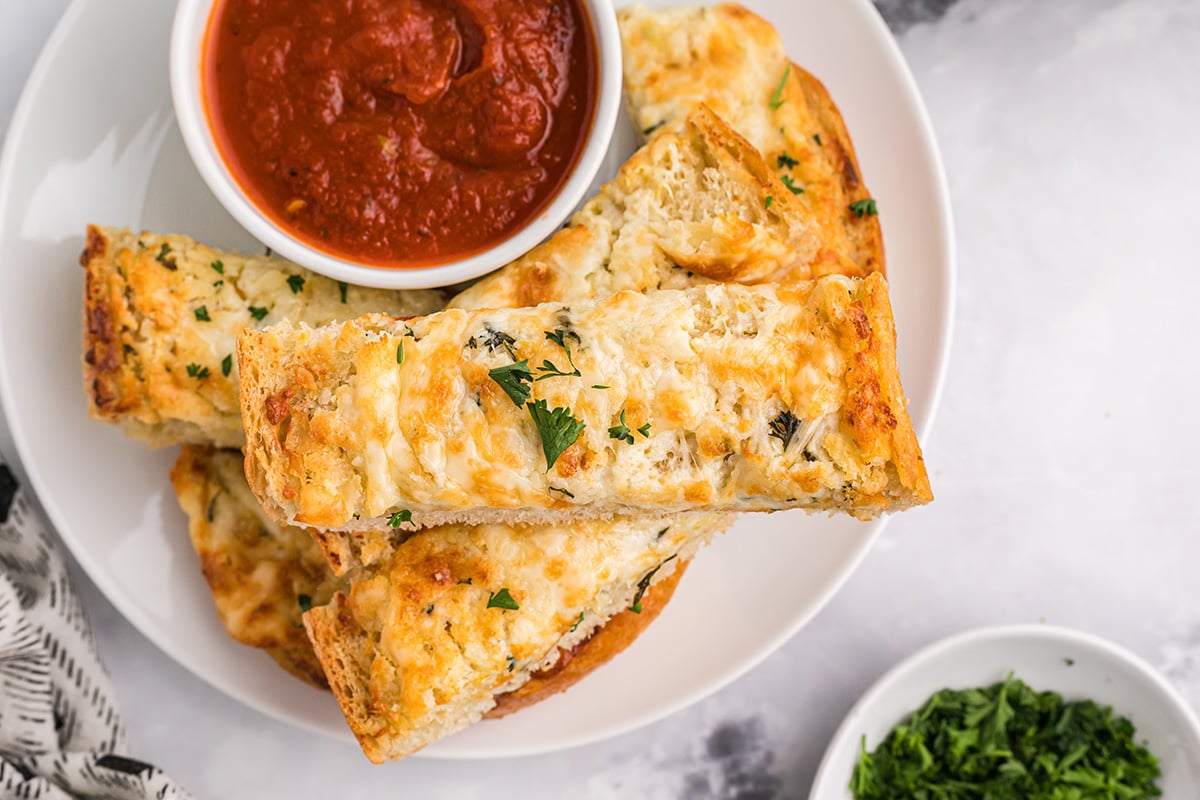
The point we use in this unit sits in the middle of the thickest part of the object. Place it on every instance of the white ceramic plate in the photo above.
(1077, 665)
(94, 140)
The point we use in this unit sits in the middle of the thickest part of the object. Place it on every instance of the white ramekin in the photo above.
(187, 45)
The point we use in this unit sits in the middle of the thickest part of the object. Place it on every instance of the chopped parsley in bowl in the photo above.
(1032, 712)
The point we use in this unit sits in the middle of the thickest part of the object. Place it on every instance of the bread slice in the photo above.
(459, 615)
(718, 398)
(261, 574)
(725, 57)
(161, 318)
(694, 206)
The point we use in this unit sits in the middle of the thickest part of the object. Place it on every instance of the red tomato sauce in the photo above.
(400, 133)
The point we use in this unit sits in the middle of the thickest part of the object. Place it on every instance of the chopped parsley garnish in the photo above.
(767, 203)
(598, 386)
(549, 370)
(557, 427)
(493, 339)
(785, 161)
(777, 98)
(515, 380)
(562, 491)
(342, 287)
(578, 622)
(202, 314)
(399, 518)
(645, 430)
(787, 181)
(165, 257)
(621, 432)
(1008, 742)
(662, 533)
(400, 353)
(295, 283)
(196, 371)
(218, 284)
(304, 601)
(227, 365)
(654, 127)
(502, 599)
(817, 139)
(643, 585)
(219, 266)
(784, 427)
(258, 312)
(865, 207)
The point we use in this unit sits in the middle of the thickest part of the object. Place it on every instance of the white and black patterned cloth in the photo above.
(61, 735)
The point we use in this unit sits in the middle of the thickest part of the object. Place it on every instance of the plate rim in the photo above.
(947, 279)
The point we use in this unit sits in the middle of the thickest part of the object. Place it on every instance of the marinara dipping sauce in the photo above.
(400, 133)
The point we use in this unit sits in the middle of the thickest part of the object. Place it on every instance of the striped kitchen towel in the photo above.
(60, 731)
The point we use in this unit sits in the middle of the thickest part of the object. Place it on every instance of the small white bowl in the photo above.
(1076, 665)
(187, 44)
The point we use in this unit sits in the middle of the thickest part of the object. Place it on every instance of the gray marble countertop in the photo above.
(1063, 455)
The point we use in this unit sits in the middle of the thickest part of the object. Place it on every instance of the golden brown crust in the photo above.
(733, 61)
(161, 315)
(597, 650)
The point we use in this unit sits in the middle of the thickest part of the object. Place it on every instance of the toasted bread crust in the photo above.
(733, 61)
(162, 313)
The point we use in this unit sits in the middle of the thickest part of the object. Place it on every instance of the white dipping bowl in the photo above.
(1077, 665)
(187, 48)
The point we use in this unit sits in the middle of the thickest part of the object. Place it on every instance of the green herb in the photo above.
(784, 427)
(512, 663)
(864, 207)
(654, 127)
(493, 339)
(777, 98)
(197, 371)
(465, 582)
(502, 599)
(1008, 742)
(227, 365)
(817, 139)
(645, 430)
(787, 181)
(218, 284)
(767, 203)
(662, 533)
(219, 266)
(295, 283)
(785, 161)
(562, 491)
(549, 370)
(515, 379)
(165, 257)
(400, 517)
(643, 585)
(1070, 662)
(598, 386)
(342, 287)
(577, 623)
(558, 429)
(202, 314)
(621, 432)
(258, 312)
(304, 601)
(400, 353)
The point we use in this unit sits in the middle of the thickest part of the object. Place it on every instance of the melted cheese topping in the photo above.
(724, 376)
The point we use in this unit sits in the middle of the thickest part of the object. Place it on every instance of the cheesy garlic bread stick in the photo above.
(717, 398)
(726, 58)
(161, 318)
